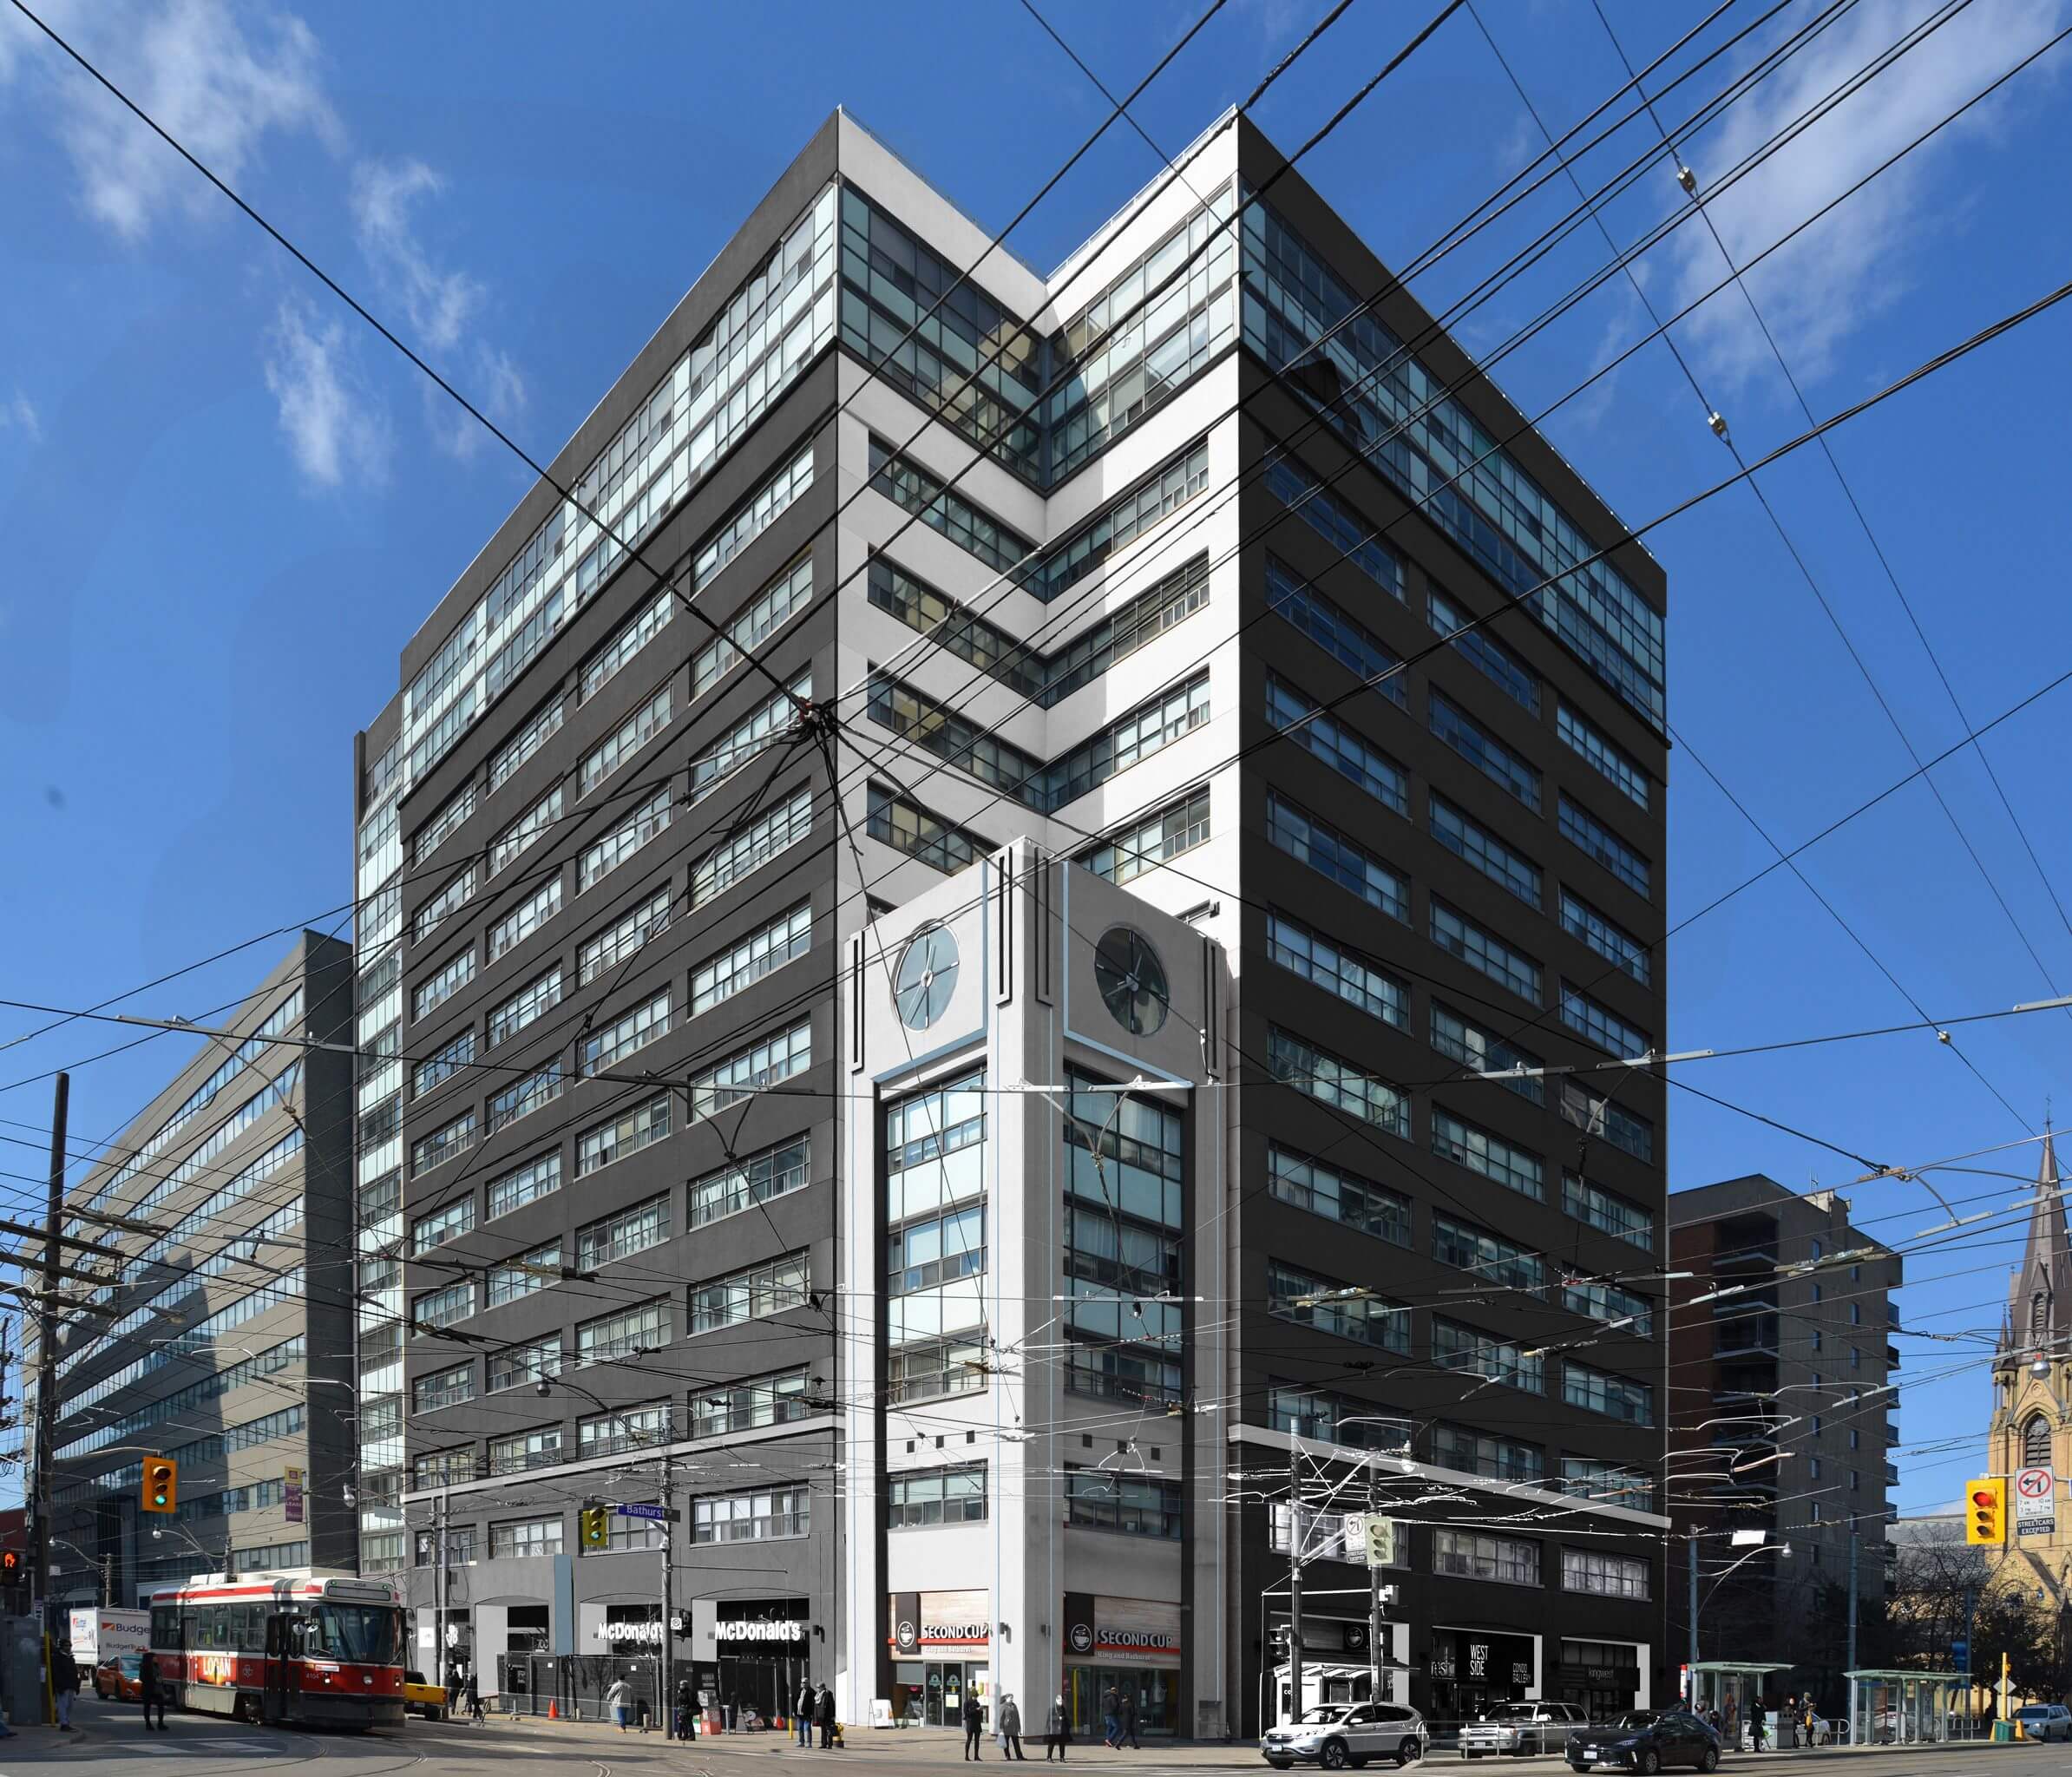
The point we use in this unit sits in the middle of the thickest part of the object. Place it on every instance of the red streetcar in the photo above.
(313, 1648)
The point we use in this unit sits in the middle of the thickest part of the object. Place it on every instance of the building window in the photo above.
(520, 1451)
(1332, 1080)
(1295, 488)
(1467, 1555)
(766, 614)
(1336, 632)
(1604, 1210)
(537, 997)
(1477, 846)
(1301, 717)
(599, 860)
(741, 857)
(770, 720)
(904, 824)
(1481, 1051)
(1357, 979)
(516, 927)
(1483, 750)
(631, 1428)
(631, 737)
(1336, 1419)
(1484, 1454)
(1488, 1255)
(752, 1518)
(434, 1151)
(624, 1232)
(541, 727)
(935, 1367)
(743, 1406)
(1339, 1196)
(1455, 1347)
(754, 516)
(2035, 1442)
(1605, 936)
(1308, 1301)
(441, 1226)
(1607, 1483)
(642, 628)
(643, 1126)
(753, 1180)
(528, 1536)
(1145, 844)
(937, 1495)
(450, 977)
(1614, 1305)
(1591, 836)
(433, 913)
(631, 1031)
(1136, 1505)
(939, 1249)
(443, 1468)
(626, 1536)
(1599, 1024)
(1597, 1116)
(769, 1289)
(763, 953)
(448, 1387)
(429, 838)
(517, 1365)
(536, 1178)
(524, 832)
(1619, 768)
(1309, 840)
(459, 1546)
(618, 941)
(630, 1332)
(1459, 936)
(760, 1067)
(1609, 1575)
(1512, 1167)
(525, 1096)
(1617, 1397)
(527, 1273)
(441, 1308)
(1490, 658)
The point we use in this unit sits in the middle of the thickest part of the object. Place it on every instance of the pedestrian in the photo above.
(154, 1692)
(1056, 1730)
(471, 1699)
(824, 1713)
(803, 1709)
(685, 1702)
(1111, 1718)
(64, 1683)
(620, 1701)
(1812, 1718)
(1129, 1717)
(1755, 1723)
(974, 1725)
(1011, 1728)
(642, 1713)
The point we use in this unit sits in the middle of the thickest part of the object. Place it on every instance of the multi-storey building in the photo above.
(1163, 565)
(226, 1339)
(1783, 1367)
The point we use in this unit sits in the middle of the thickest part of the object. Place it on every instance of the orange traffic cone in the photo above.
(554, 1710)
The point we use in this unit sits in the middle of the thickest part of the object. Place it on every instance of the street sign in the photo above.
(1371, 1538)
(291, 1495)
(2035, 1510)
(653, 1514)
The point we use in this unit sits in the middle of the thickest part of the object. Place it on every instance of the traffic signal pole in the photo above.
(667, 1702)
(439, 1591)
(46, 1360)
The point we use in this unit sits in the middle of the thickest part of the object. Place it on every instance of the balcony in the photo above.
(1891, 1474)
(1737, 1256)
(1756, 1336)
(1891, 1316)
(1891, 1433)
(1891, 1357)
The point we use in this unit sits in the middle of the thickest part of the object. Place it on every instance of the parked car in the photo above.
(2045, 1721)
(1520, 1729)
(1335, 1735)
(120, 1678)
(1645, 1740)
(420, 1694)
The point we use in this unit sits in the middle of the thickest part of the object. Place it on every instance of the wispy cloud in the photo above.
(1855, 263)
(334, 426)
(439, 304)
(220, 81)
(19, 415)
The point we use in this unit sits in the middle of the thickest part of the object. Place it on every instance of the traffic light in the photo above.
(1985, 1511)
(161, 1484)
(10, 1566)
(597, 1526)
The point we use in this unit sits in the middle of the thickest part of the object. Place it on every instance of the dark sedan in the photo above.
(1645, 1740)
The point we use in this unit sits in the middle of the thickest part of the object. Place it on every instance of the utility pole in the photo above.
(665, 1704)
(1692, 1549)
(439, 1589)
(1971, 1654)
(1295, 1581)
(1849, 1660)
(46, 1357)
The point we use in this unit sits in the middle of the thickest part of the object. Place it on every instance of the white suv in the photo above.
(1335, 1735)
(1520, 1729)
(2045, 1721)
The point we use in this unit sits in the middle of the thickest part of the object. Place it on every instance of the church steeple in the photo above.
(2039, 1306)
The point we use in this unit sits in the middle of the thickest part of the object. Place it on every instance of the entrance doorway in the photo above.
(932, 1693)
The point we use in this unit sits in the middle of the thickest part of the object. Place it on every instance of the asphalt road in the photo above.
(111, 1740)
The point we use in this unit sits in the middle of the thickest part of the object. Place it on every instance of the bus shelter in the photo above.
(1900, 1707)
(1734, 1688)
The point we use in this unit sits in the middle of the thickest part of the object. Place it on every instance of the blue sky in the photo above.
(226, 506)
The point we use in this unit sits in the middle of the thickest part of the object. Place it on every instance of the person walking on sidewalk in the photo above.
(801, 1710)
(1111, 1718)
(154, 1692)
(1129, 1718)
(1755, 1723)
(1056, 1730)
(471, 1697)
(620, 1701)
(64, 1683)
(1011, 1728)
(823, 1712)
(974, 1725)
